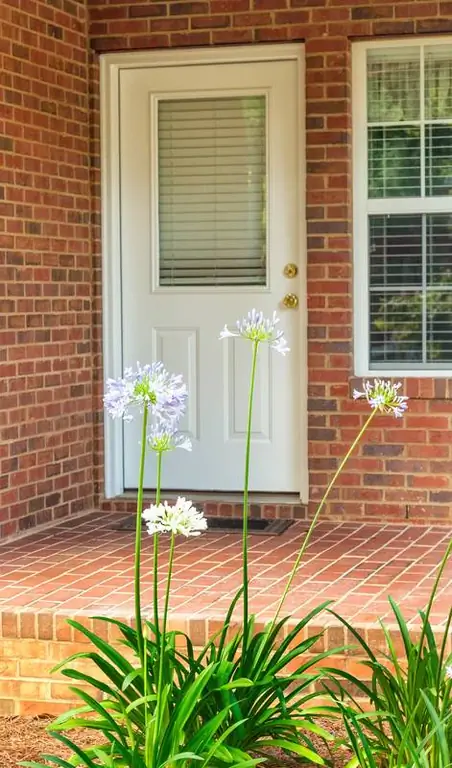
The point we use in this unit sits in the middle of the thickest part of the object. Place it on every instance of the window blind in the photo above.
(410, 268)
(212, 191)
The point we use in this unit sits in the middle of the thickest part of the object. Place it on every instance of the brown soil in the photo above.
(26, 738)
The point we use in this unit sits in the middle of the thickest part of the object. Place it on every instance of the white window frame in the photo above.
(363, 206)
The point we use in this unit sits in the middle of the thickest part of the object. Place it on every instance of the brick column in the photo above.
(329, 228)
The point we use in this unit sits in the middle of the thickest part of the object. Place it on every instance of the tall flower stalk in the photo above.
(246, 506)
(257, 329)
(162, 439)
(318, 512)
(138, 526)
(181, 519)
(382, 397)
(155, 556)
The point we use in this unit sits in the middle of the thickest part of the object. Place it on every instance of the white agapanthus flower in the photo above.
(181, 519)
(449, 672)
(383, 396)
(256, 327)
(163, 438)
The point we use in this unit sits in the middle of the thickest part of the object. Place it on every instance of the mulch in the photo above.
(26, 738)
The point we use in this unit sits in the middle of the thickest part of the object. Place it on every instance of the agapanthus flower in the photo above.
(164, 437)
(383, 396)
(150, 386)
(256, 327)
(182, 518)
(449, 672)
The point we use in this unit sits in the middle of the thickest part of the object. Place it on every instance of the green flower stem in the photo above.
(167, 596)
(245, 497)
(156, 550)
(317, 514)
(138, 525)
(428, 610)
(162, 647)
(145, 689)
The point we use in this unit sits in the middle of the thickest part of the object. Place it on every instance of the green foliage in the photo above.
(138, 728)
(410, 693)
(277, 709)
(431, 752)
(242, 700)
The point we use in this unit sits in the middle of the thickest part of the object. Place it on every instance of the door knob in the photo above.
(290, 270)
(290, 301)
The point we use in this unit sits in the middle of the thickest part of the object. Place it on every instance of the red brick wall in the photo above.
(403, 470)
(45, 263)
(50, 329)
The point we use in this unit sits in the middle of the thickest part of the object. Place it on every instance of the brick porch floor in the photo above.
(82, 567)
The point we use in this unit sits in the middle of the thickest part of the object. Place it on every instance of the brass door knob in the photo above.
(290, 301)
(290, 270)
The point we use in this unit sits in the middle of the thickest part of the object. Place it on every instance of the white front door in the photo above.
(210, 217)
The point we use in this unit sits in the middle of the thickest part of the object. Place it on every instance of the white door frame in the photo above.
(110, 66)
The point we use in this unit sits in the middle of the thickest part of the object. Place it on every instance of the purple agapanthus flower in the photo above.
(383, 396)
(165, 437)
(256, 327)
(149, 386)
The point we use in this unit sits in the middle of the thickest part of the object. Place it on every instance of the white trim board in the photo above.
(110, 68)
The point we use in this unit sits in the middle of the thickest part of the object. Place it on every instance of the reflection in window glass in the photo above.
(438, 82)
(404, 136)
(393, 85)
(438, 160)
(394, 162)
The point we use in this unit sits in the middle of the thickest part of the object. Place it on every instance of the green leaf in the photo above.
(297, 749)
(74, 674)
(138, 702)
(181, 756)
(101, 710)
(74, 748)
(117, 658)
(131, 677)
(28, 764)
(228, 618)
(239, 683)
(402, 626)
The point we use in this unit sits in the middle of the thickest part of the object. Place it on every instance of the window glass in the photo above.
(212, 191)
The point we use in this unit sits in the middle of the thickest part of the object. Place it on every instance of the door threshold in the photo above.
(255, 497)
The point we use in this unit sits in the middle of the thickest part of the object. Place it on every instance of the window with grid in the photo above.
(403, 209)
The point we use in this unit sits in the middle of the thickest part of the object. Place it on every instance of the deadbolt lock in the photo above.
(290, 270)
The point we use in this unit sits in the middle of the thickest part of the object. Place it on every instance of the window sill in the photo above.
(403, 373)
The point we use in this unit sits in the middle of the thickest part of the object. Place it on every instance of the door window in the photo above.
(212, 201)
